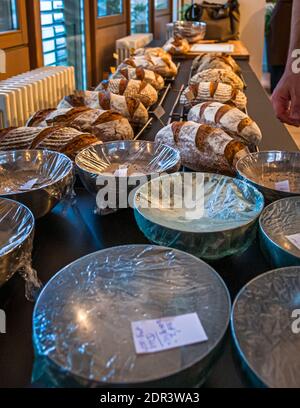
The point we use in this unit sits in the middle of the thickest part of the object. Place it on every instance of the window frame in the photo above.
(115, 19)
(165, 11)
(15, 38)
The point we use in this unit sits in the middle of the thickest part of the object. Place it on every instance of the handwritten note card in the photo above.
(294, 239)
(283, 186)
(151, 336)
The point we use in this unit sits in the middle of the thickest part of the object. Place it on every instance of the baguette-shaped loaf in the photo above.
(177, 46)
(202, 147)
(141, 74)
(60, 139)
(215, 61)
(152, 52)
(130, 88)
(213, 91)
(106, 125)
(130, 108)
(161, 65)
(229, 118)
(225, 76)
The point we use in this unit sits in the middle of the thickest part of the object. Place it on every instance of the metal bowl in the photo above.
(39, 179)
(264, 328)
(275, 173)
(193, 31)
(221, 223)
(82, 319)
(278, 221)
(123, 163)
(16, 237)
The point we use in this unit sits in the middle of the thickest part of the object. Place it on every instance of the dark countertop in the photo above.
(62, 237)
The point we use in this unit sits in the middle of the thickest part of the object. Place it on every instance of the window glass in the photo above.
(63, 36)
(161, 4)
(8, 15)
(109, 7)
(139, 14)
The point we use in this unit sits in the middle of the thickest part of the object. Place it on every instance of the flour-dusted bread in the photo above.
(141, 74)
(141, 90)
(229, 118)
(213, 91)
(106, 125)
(215, 61)
(224, 76)
(152, 52)
(202, 147)
(130, 108)
(177, 46)
(161, 65)
(60, 139)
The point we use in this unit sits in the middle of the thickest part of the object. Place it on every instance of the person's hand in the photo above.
(286, 99)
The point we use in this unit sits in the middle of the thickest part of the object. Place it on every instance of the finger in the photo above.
(280, 104)
(294, 113)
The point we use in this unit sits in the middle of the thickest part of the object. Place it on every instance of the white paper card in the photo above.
(28, 185)
(121, 172)
(294, 239)
(159, 112)
(283, 186)
(212, 48)
(151, 336)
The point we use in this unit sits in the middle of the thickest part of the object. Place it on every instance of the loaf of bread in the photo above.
(230, 119)
(152, 52)
(161, 65)
(130, 108)
(177, 46)
(130, 88)
(106, 125)
(202, 147)
(213, 91)
(60, 139)
(215, 61)
(141, 74)
(225, 76)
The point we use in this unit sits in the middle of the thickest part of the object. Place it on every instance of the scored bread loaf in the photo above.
(141, 74)
(153, 51)
(225, 76)
(130, 108)
(106, 125)
(215, 61)
(141, 90)
(202, 147)
(161, 65)
(177, 46)
(229, 118)
(60, 139)
(213, 91)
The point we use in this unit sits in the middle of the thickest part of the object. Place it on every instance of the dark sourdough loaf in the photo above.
(202, 147)
(161, 65)
(130, 108)
(60, 139)
(140, 74)
(133, 88)
(106, 125)
(230, 119)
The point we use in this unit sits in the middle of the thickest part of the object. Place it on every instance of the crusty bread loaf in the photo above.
(60, 139)
(131, 108)
(161, 65)
(153, 52)
(106, 125)
(177, 46)
(215, 61)
(141, 74)
(130, 88)
(213, 91)
(202, 147)
(225, 76)
(229, 118)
